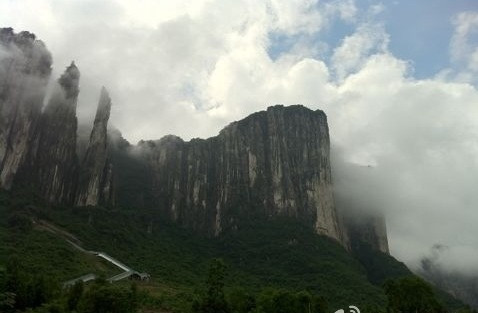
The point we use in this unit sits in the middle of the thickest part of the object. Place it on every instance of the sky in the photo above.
(397, 80)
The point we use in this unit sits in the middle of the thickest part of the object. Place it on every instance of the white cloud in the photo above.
(346, 9)
(464, 46)
(465, 23)
(173, 67)
(356, 48)
(453, 260)
(473, 61)
(296, 16)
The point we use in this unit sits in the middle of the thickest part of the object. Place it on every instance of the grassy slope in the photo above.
(42, 251)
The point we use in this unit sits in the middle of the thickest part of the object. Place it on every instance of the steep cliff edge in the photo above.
(38, 149)
(95, 184)
(56, 164)
(25, 68)
(272, 163)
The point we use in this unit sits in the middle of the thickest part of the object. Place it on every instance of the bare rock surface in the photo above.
(96, 181)
(25, 67)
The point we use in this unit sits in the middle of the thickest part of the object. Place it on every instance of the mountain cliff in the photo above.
(95, 185)
(273, 163)
(254, 186)
(38, 149)
(56, 163)
(25, 68)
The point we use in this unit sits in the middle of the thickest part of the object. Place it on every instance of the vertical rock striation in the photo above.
(96, 176)
(56, 161)
(25, 67)
(272, 163)
(38, 150)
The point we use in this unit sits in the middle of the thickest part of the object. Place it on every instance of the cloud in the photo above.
(451, 260)
(190, 69)
(163, 60)
(464, 46)
(355, 49)
(420, 136)
(465, 23)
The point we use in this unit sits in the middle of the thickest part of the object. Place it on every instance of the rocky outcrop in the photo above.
(25, 67)
(272, 163)
(56, 162)
(96, 176)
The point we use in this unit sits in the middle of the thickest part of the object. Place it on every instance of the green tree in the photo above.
(19, 221)
(24, 289)
(107, 298)
(214, 301)
(372, 308)
(309, 303)
(7, 302)
(240, 301)
(320, 304)
(74, 295)
(15, 282)
(411, 294)
(283, 301)
(42, 290)
(466, 309)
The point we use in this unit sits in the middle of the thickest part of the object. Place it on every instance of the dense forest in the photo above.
(283, 267)
(21, 292)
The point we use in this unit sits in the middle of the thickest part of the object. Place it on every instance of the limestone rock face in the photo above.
(25, 67)
(272, 163)
(56, 162)
(96, 176)
(38, 150)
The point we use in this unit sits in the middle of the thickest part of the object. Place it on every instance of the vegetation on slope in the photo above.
(38, 248)
(269, 264)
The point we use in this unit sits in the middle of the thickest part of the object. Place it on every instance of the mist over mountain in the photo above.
(271, 164)
(399, 90)
(460, 281)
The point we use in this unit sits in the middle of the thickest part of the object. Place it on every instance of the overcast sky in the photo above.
(397, 80)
